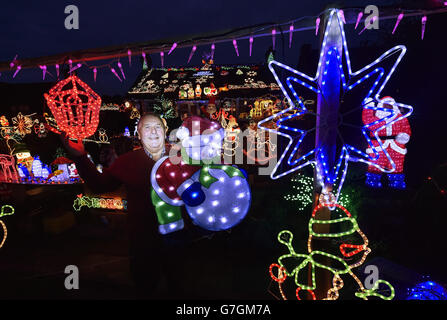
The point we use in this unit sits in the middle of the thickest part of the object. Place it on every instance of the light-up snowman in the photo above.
(216, 196)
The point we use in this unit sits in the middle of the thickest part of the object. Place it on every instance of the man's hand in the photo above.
(76, 149)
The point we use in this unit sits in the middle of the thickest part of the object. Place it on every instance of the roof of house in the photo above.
(243, 81)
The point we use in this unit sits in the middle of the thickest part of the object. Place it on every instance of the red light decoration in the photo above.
(75, 106)
(310, 291)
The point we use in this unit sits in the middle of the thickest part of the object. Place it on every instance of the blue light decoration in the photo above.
(427, 290)
(373, 180)
(37, 167)
(332, 83)
(126, 132)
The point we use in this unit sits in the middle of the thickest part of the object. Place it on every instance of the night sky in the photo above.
(37, 29)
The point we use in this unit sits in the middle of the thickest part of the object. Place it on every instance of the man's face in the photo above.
(151, 133)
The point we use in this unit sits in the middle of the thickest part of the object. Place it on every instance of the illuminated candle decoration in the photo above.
(423, 21)
(235, 47)
(317, 25)
(75, 106)
(250, 44)
(294, 265)
(121, 69)
(216, 196)
(331, 64)
(273, 37)
(162, 55)
(290, 35)
(129, 54)
(194, 48)
(174, 45)
(399, 18)
(116, 74)
(359, 17)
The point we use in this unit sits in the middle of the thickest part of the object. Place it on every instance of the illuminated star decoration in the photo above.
(334, 71)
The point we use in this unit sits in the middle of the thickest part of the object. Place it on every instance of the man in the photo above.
(148, 251)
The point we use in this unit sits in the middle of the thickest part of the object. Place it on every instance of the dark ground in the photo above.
(404, 229)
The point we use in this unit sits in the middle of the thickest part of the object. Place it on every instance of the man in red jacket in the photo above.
(150, 255)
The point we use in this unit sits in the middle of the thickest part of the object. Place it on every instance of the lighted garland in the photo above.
(285, 237)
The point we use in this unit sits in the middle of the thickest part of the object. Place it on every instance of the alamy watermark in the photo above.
(72, 20)
(72, 280)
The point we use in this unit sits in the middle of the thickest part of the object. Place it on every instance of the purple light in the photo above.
(273, 37)
(174, 45)
(121, 69)
(57, 70)
(17, 71)
(370, 23)
(94, 74)
(70, 64)
(129, 54)
(77, 67)
(424, 20)
(399, 17)
(116, 74)
(192, 53)
(317, 25)
(162, 55)
(290, 35)
(13, 62)
(44, 71)
(358, 19)
(251, 44)
(235, 47)
(144, 58)
(342, 16)
(213, 47)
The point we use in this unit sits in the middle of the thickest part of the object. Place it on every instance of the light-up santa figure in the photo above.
(216, 196)
(394, 137)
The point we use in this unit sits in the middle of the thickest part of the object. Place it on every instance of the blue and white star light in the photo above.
(334, 67)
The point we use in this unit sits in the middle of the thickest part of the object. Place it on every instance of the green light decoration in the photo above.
(9, 211)
(373, 291)
(165, 108)
(99, 203)
(166, 213)
(303, 190)
(294, 264)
